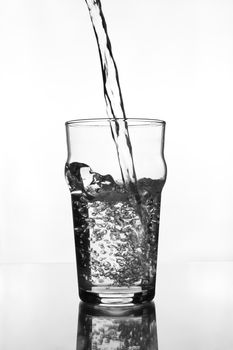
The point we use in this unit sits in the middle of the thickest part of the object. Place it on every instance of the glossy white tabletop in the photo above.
(40, 308)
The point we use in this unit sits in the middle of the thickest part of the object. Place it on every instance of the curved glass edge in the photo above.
(105, 122)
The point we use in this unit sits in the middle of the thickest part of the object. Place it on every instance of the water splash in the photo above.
(113, 96)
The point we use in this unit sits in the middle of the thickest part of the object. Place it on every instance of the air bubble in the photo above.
(112, 240)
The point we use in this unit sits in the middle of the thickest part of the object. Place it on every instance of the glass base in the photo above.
(116, 296)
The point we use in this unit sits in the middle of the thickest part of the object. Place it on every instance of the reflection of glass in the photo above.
(116, 222)
(121, 328)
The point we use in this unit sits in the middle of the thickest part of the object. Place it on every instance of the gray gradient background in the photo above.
(175, 60)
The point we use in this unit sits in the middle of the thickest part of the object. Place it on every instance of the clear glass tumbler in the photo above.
(115, 230)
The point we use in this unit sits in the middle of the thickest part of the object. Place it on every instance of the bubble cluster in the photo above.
(122, 334)
(116, 243)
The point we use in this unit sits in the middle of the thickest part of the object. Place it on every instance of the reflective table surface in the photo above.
(192, 310)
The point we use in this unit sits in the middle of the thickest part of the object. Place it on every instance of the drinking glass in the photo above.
(116, 225)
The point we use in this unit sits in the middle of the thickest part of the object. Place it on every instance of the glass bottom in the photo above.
(116, 296)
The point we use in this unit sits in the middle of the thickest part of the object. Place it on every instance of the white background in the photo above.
(175, 59)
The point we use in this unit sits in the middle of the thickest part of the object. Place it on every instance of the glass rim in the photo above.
(105, 121)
